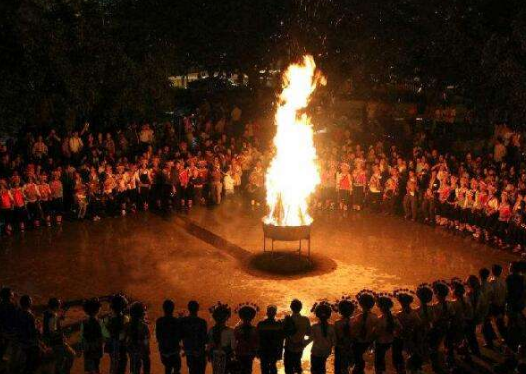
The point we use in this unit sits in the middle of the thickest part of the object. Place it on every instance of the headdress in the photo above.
(404, 296)
(247, 311)
(424, 292)
(220, 312)
(366, 298)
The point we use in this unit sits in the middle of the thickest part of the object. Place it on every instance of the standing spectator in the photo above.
(75, 146)
(246, 338)
(271, 338)
(323, 338)
(363, 328)
(91, 339)
(515, 297)
(138, 340)
(297, 328)
(53, 336)
(8, 315)
(28, 337)
(497, 307)
(343, 359)
(499, 150)
(114, 330)
(194, 336)
(221, 341)
(168, 334)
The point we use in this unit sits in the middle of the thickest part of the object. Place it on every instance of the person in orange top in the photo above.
(20, 212)
(45, 198)
(343, 185)
(6, 206)
(32, 197)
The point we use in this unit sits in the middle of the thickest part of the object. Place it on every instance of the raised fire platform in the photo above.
(286, 234)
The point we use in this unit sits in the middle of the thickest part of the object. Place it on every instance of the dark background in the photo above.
(108, 61)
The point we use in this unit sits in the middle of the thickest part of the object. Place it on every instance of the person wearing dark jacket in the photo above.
(8, 315)
(28, 336)
(168, 334)
(271, 339)
(194, 336)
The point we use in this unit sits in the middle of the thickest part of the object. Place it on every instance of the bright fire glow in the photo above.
(293, 173)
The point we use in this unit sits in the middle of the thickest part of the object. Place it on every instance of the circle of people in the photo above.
(440, 330)
(164, 166)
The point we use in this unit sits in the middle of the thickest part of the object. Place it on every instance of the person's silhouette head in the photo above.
(496, 270)
(193, 307)
(54, 304)
(26, 302)
(168, 307)
(6, 295)
(296, 306)
(272, 310)
(346, 308)
(92, 307)
(484, 274)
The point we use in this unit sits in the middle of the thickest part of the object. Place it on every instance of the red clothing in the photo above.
(345, 182)
(18, 197)
(5, 200)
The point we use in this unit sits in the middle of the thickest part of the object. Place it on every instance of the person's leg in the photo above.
(264, 364)
(488, 332)
(398, 355)
(359, 363)
(167, 364)
(379, 357)
(287, 362)
(315, 365)
(146, 364)
(337, 361)
(471, 337)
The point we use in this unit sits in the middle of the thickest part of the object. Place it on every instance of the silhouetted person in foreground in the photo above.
(246, 338)
(343, 351)
(92, 341)
(138, 340)
(271, 338)
(28, 337)
(53, 336)
(323, 338)
(194, 336)
(8, 314)
(114, 332)
(221, 342)
(297, 328)
(515, 305)
(167, 332)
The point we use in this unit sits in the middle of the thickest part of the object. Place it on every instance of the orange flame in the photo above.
(293, 172)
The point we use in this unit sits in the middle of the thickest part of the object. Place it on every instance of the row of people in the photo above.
(440, 330)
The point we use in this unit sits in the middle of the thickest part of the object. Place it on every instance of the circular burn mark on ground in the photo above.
(288, 265)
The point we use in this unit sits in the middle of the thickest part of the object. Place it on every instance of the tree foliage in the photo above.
(65, 61)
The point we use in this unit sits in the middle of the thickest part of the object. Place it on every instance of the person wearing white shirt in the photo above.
(75, 143)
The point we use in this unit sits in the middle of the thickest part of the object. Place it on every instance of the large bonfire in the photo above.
(293, 173)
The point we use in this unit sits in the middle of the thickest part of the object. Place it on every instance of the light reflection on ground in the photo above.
(152, 257)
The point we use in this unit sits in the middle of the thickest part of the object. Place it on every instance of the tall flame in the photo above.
(293, 172)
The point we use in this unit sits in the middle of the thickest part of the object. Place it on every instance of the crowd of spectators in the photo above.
(208, 155)
(443, 330)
